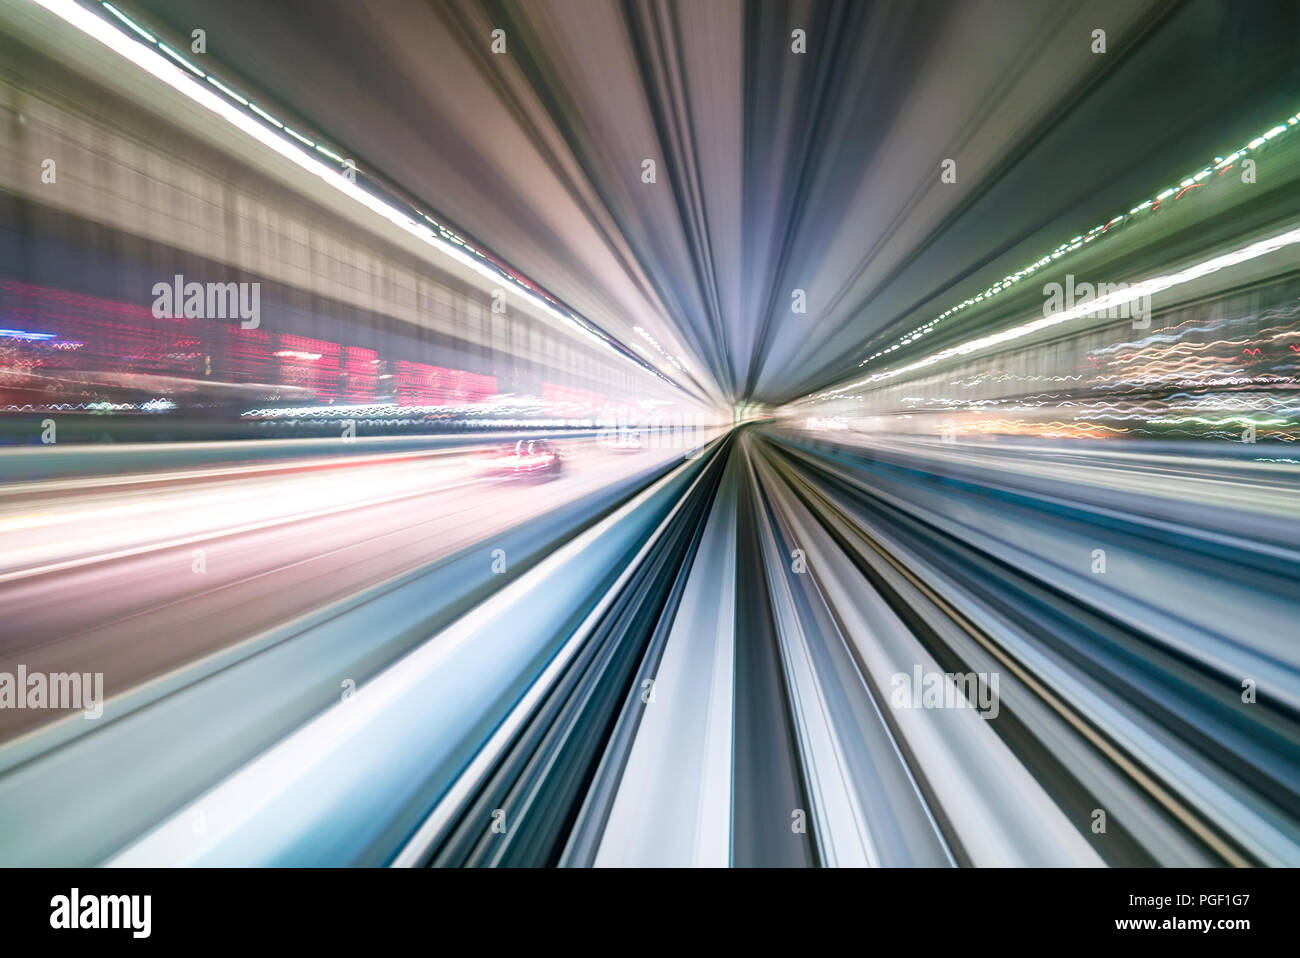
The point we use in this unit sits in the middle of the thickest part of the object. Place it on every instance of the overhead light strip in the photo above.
(1099, 305)
(1145, 208)
(182, 76)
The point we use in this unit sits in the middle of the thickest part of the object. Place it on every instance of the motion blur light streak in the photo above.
(1102, 304)
(581, 533)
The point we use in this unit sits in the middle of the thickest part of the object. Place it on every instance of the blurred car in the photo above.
(623, 439)
(526, 458)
